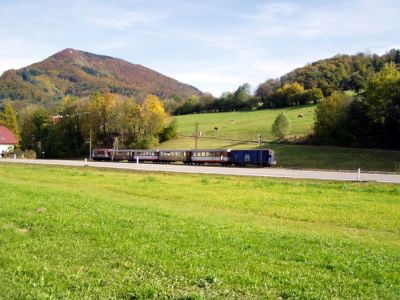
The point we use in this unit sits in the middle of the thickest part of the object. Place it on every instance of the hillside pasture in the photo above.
(247, 124)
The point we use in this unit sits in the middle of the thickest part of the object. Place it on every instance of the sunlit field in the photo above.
(247, 124)
(76, 233)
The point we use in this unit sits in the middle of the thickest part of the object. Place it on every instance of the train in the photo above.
(225, 157)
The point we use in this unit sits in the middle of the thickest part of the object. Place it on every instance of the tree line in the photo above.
(309, 84)
(103, 119)
(368, 119)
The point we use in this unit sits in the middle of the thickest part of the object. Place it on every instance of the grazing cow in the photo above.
(300, 116)
(216, 128)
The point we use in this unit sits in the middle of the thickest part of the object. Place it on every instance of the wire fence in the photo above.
(220, 138)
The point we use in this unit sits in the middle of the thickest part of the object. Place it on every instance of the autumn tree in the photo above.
(126, 121)
(8, 118)
(153, 115)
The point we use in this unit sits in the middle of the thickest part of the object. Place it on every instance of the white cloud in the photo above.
(271, 11)
(125, 20)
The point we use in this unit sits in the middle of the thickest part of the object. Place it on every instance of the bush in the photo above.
(29, 154)
(281, 126)
(169, 132)
(145, 143)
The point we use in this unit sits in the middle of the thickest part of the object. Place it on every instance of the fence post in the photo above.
(359, 174)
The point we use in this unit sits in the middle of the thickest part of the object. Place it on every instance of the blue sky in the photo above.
(213, 45)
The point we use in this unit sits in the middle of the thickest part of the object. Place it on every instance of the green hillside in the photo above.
(248, 124)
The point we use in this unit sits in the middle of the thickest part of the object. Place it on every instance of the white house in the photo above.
(7, 140)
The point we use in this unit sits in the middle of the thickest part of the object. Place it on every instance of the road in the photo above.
(265, 172)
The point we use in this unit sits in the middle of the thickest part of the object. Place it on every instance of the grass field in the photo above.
(247, 125)
(76, 233)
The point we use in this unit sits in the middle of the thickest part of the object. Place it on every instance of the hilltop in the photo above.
(79, 73)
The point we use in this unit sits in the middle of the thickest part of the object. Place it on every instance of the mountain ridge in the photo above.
(80, 73)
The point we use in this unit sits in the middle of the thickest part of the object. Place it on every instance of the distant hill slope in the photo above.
(73, 72)
(244, 125)
(341, 72)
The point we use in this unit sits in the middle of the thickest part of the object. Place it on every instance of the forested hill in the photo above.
(342, 72)
(78, 73)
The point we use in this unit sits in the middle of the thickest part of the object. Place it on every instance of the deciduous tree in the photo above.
(8, 118)
(280, 127)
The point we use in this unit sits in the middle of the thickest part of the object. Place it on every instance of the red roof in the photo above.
(7, 137)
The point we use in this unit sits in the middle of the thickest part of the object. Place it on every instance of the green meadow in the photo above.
(247, 125)
(76, 233)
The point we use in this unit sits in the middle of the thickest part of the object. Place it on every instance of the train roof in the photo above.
(210, 150)
(172, 150)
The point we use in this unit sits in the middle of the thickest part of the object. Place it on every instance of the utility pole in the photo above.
(260, 141)
(196, 135)
(115, 148)
(90, 144)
